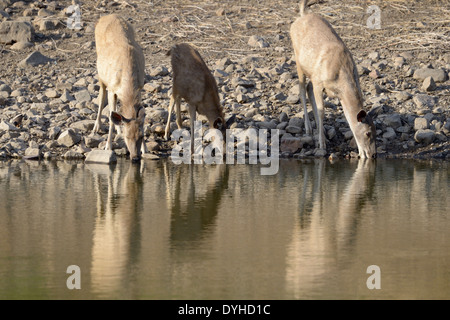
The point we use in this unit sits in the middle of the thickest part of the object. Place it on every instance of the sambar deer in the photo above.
(193, 81)
(121, 70)
(322, 56)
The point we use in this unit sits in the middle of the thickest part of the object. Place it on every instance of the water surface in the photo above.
(164, 231)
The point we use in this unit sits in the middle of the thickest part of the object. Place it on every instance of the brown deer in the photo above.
(193, 81)
(322, 56)
(121, 70)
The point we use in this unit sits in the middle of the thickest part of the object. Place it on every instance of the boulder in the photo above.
(101, 156)
(34, 59)
(15, 31)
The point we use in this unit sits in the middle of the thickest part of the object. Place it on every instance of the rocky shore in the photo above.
(48, 84)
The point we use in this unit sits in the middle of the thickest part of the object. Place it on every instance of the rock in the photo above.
(34, 59)
(69, 138)
(290, 144)
(292, 99)
(51, 93)
(421, 123)
(83, 125)
(6, 126)
(101, 156)
(293, 129)
(296, 121)
(438, 75)
(15, 31)
(393, 120)
(389, 134)
(153, 146)
(21, 45)
(257, 42)
(424, 100)
(429, 84)
(93, 141)
(73, 155)
(83, 96)
(425, 136)
(283, 117)
(320, 153)
(159, 71)
(150, 156)
(152, 87)
(47, 24)
(374, 55)
(54, 132)
(33, 153)
(374, 74)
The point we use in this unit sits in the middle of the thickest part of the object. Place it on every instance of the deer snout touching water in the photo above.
(193, 81)
(322, 56)
(121, 70)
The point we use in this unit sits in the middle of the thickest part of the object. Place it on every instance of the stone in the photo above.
(393, 120)
(101, 156)
(257, 42)
(421, 123)
(83, 125)
(32, 153)
(51, 93)
(6, 126)
(290, 144)
(34, 59)
(425, 136)
(424, 100)
(83, 96)
(429, 84)
(389, 134)
(54, 132)
(374, 74)
(21, 45)
(73, 155)
(438, 75)
(153, 146)
(150, 156)
(15, 31)
(159, 71)
(320, 153)
(293, 129)
(69, 138)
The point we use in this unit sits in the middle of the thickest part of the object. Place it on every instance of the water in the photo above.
(163, 231)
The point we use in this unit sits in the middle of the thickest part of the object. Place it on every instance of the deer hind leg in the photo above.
(101, 105)
(171, 103)
(302, 81)
(112, 103)
(178, 111)
(315, 95)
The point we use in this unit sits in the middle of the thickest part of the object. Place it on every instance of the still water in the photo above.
(164, 231)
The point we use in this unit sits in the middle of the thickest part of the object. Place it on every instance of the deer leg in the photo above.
(315, 94)
(101, 105)
(112, 101)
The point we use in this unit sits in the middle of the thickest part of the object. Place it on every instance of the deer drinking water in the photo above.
(120, 65)
(323, 57)
(193, 81)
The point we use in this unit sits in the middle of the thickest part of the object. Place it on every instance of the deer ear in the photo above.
(118, 119)
(218, 123)
(141, 114)
(361, 116)
(231, 120)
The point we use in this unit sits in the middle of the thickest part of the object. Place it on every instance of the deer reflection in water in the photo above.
(327, 237)
(193, 203)
(117, 231)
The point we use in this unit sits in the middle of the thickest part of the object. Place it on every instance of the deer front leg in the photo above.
(315, 94)
(112, 101)
(101, 105)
